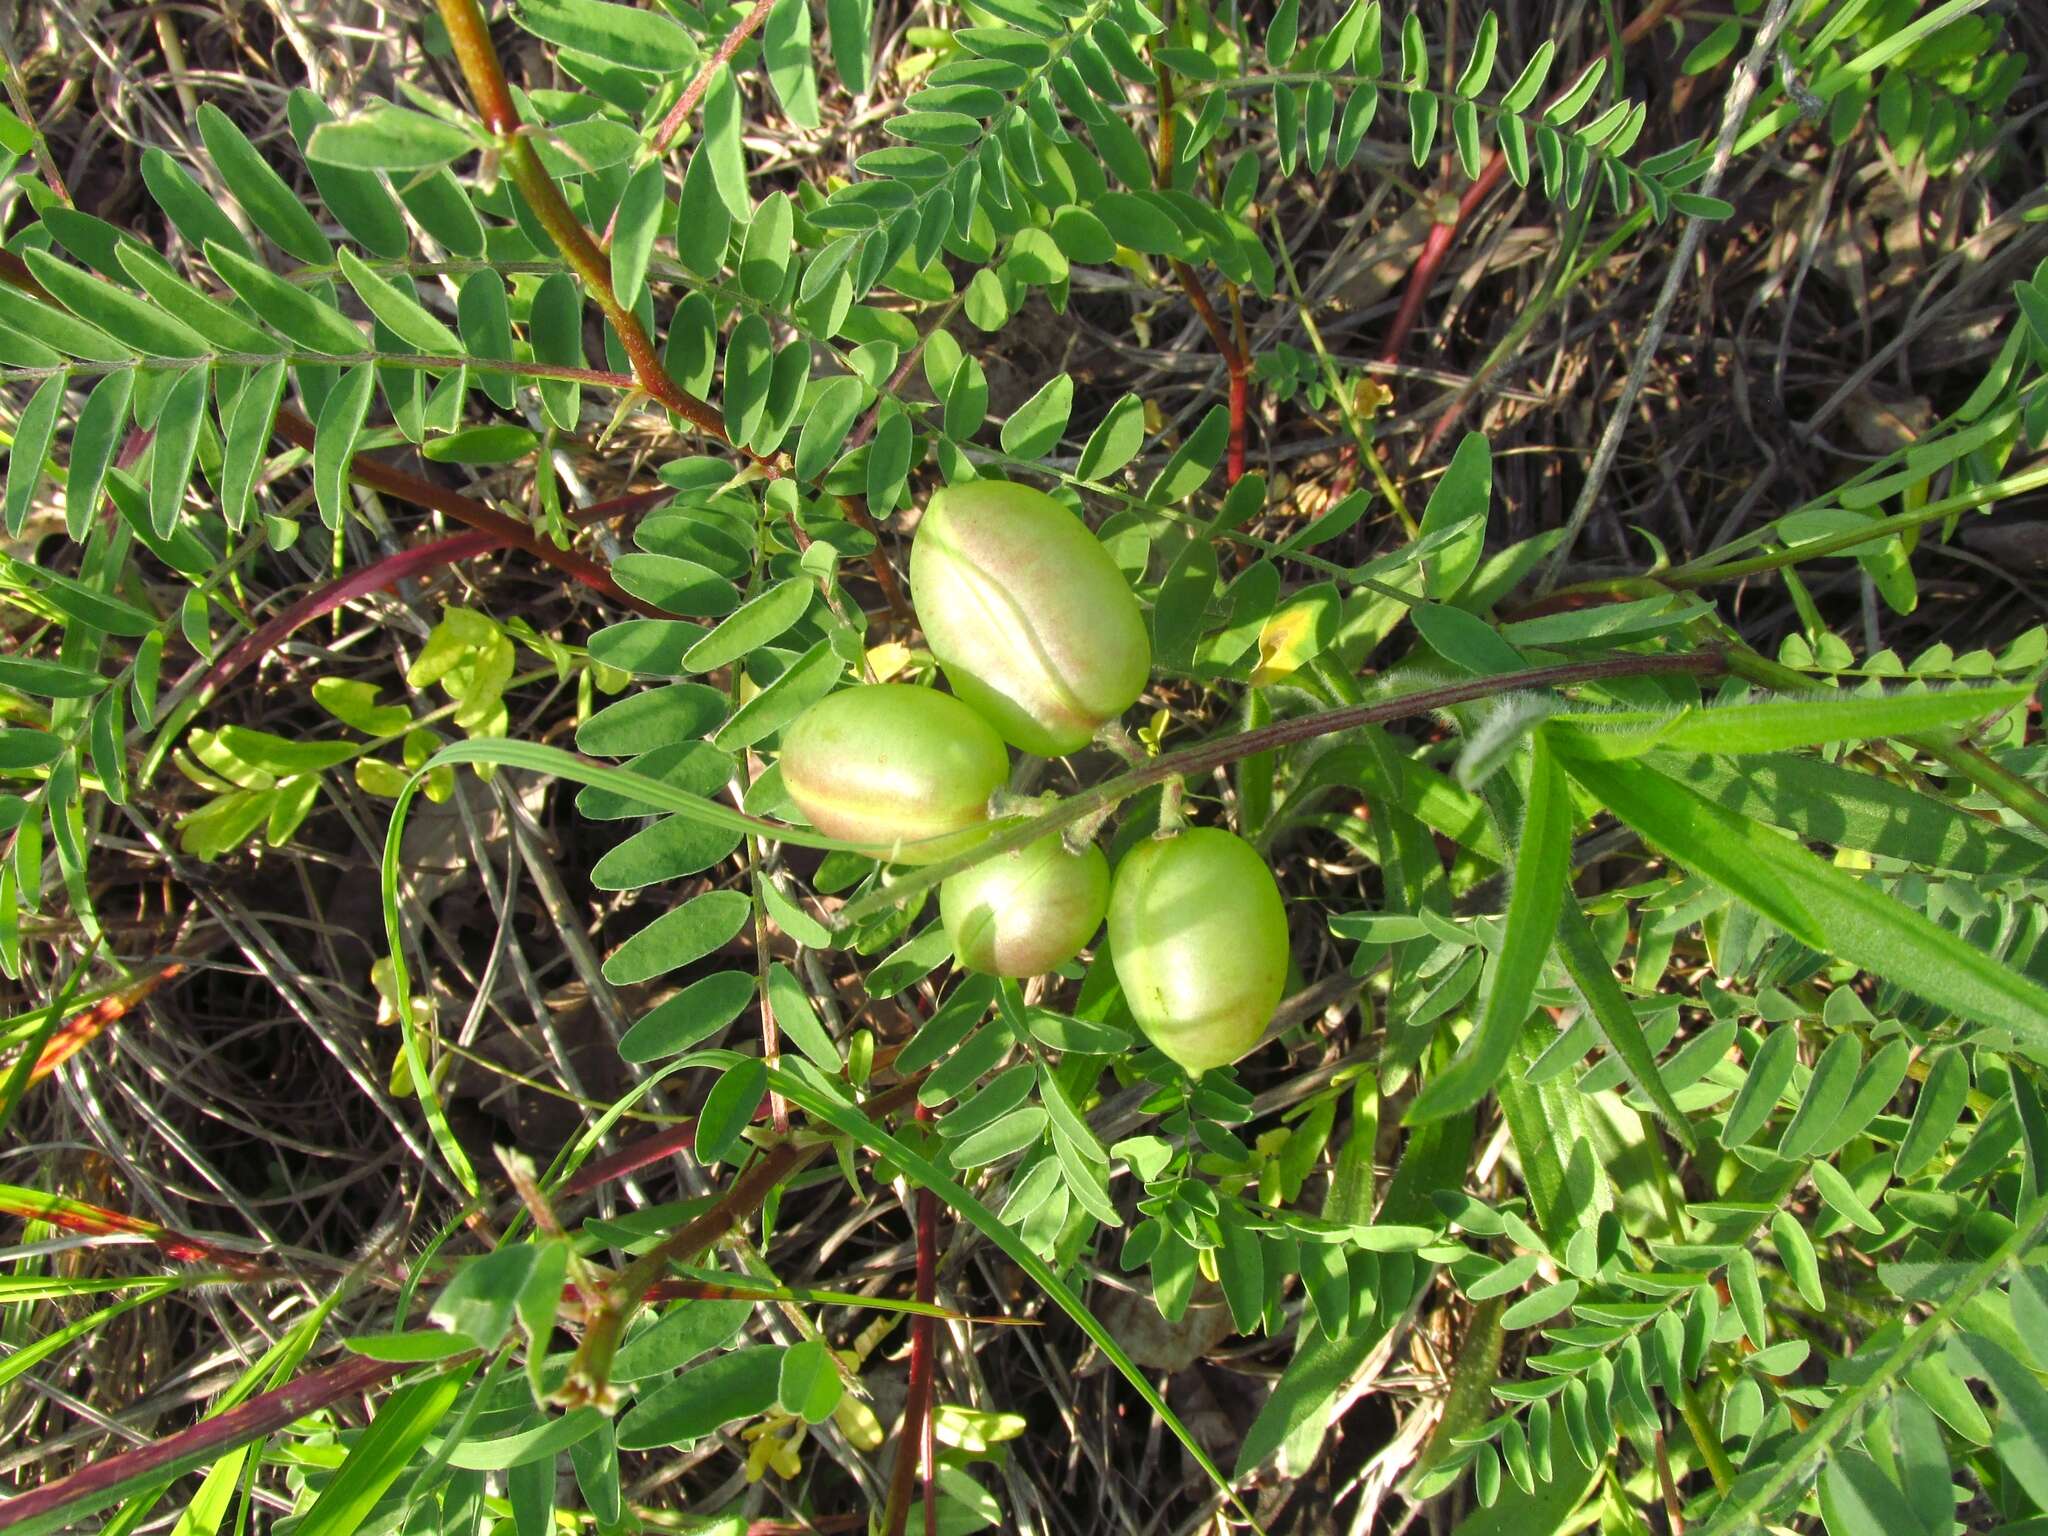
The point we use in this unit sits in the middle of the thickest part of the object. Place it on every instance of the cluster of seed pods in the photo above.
(1042, 643)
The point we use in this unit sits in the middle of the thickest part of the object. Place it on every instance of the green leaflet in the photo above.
(1825, 802)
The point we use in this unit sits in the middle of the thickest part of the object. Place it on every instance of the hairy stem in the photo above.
(1204, 757)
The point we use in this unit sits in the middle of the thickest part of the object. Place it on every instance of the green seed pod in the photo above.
(1028, 911)
(895, 769)
(1033, 622)
(1198, 934)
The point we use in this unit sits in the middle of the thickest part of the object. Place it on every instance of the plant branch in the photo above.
(1205, 757)
(1234, 360)
(393, 481)
(914, 1447)
(99, 1483)
(590, 1372)
(478, 57)
(1736, 105)
(679, 115)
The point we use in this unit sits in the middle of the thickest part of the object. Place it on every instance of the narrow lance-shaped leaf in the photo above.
(248, 435)
(342, 415)
(1542, 872)
(393, 139)
(177, 443)
(290, 310)
(407, 318)
(94, 441)
(1609, 1005)
(1824, 907)
(271, 205)
(123, 316)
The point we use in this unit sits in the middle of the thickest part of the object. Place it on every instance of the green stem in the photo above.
(1703, 1436)
(1698, 573)
(1972, 762)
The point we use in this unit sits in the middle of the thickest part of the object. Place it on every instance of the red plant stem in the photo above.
(1437, 246)
(383, 573)
(262, 1415)
(474, 51)
(915, 1446)
(389, 571)
(81, 1029)
(1233, 355)
(679, 115)
(393, 481)
(631, 1158)
(98, 1221)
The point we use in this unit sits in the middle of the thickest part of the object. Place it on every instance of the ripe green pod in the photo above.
(895, 769)
(1198, 935)
(1033, 622)
(1028, 911)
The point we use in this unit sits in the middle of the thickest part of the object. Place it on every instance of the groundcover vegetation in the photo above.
(1052, 765)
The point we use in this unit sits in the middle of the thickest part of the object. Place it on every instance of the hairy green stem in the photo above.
(1962, 757)
(1224, 750)
(1701, 572)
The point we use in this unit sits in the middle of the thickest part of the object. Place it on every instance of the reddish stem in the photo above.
(379, 475)
(98, 1221)
(478, 57)
(1437, 246)
(1233, 355)
(915, 1446)
(383, 573)
(81, 1029)
(94, 1484)
(679, 115)
(389, 571)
